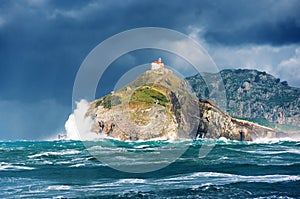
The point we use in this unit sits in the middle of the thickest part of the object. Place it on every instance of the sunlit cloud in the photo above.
(289, 69)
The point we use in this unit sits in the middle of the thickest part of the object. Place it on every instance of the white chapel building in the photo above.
(157, 64)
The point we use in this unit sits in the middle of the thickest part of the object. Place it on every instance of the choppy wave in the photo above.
(232, 169)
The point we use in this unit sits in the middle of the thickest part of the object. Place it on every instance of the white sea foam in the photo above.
(294, 151)
(46, 162)
(279, 164)
(223, 139)
(143, 146)
(273, 140)
(7, 166)
(77, 165)
(240, 178)
(133, 180)
(56, 153)
(58, 187)
(62, 163)
(214, 178)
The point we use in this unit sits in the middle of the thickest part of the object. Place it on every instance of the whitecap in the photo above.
(265, 152)
(211, 174)
(58, 187)
(264, 178)
(55, 153)
(223, 139)
(272, 140)
(294, 151)
(6, 166)
(77, 165)
(133, 180)
(142, 146)
(279, 164)
(225, 178)
(62, 163)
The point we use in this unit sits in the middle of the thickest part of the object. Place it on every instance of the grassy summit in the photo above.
(148, 96)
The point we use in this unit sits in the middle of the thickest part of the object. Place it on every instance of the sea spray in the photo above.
(71, 129)
(78, 124)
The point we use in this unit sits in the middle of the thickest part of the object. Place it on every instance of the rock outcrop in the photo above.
(214, 123)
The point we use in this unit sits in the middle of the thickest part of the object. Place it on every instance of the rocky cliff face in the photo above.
(215, 124)
(156, 105)
(254, 95)
(160, 105)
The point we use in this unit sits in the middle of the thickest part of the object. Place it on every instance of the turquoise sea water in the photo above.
(66, 169)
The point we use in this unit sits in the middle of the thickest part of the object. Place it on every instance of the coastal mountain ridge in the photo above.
(255, 96)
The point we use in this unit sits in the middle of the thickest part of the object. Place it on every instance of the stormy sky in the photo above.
(44, 42)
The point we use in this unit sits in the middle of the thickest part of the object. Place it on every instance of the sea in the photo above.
(70, 169)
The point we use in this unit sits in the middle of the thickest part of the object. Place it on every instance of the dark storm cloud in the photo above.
(43, 42)
(281, 33)
(264, 22)
(224, 22)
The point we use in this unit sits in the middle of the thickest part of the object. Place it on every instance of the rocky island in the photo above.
(158, 104)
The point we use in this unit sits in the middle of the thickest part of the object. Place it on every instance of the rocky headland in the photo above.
(158, 104)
